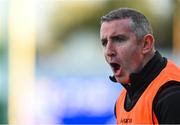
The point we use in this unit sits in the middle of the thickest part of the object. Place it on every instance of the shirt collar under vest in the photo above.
(143, 78)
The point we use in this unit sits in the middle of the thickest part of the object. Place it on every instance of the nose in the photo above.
(110, 50)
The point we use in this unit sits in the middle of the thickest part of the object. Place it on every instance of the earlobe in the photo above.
(148, 43)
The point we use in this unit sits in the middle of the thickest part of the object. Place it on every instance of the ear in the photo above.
(148, 43)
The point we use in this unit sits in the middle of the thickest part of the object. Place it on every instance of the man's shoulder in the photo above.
(168, 88)
(166, 104)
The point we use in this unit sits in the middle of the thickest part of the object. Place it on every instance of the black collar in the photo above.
(141, 80)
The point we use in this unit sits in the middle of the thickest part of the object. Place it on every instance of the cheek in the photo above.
(125, 53)
(131, 57)
(105, 56)
(103, 51)
(106, 59)
(135, 58)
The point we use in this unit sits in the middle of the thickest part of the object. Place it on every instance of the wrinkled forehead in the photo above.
(115, 27)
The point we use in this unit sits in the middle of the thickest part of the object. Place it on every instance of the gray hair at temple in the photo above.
(140, 24)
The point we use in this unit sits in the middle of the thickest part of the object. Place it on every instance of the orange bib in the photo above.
(142, 112)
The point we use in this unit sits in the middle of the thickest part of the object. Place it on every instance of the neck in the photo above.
(148, 57)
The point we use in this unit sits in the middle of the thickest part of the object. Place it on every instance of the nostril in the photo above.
(110, 52)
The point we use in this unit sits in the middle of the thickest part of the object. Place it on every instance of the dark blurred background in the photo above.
(52, 69)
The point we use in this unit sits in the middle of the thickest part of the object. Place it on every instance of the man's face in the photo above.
(121, 49)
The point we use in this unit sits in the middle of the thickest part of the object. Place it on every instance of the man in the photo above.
(151, 93)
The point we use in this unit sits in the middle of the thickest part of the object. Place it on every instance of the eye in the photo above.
(119, 39)
(104, 42)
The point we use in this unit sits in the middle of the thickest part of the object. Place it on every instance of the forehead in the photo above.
(115, 27)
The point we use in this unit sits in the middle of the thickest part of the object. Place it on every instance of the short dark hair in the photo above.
(140, 24)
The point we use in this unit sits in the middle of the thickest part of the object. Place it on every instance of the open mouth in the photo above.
(115, 67)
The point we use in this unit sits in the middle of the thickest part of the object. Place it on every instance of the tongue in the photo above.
(117, 71)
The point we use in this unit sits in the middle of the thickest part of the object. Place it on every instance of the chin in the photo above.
(123, 81)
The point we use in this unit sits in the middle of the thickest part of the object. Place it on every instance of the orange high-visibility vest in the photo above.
(142, 112)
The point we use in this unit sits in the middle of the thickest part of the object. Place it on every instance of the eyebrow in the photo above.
(114, 37)
(119, 36)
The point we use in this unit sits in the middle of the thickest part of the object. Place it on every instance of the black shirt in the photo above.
(166, 104)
